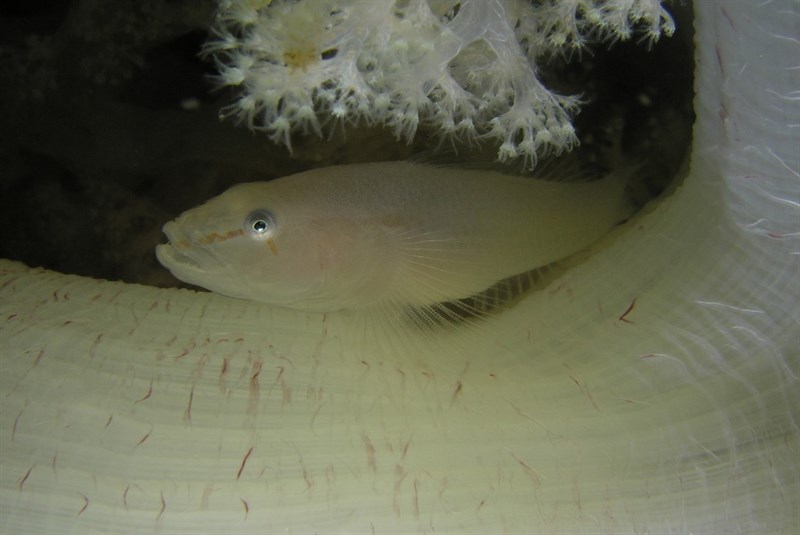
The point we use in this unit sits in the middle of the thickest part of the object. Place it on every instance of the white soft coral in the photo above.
(466, 67)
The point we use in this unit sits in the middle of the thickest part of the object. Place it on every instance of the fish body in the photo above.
(384, 234)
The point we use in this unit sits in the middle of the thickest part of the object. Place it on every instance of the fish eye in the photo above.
(259, 224)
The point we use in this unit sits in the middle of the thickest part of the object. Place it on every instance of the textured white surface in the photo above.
(127, 409)
(472, 75)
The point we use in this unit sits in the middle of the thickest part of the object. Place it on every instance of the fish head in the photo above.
(284, 244)
(245, 243)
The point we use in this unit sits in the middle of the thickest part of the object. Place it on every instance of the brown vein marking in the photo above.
(9, 282)
(314, 417)
(216, 236)
(400, 475)
(200, 365)
(405, 447)
(143, 439)
(528, 470)
(85, 504)
(727, 17)
(21, 481)
(146, 396)
(55, 459)
(246, 507)
(125, 496)
(282, 357)
(55, 296)
(529, 418)
(244, 461)
(14, 427)
(370, 453)
(254, 386)
(187, 414)
(38, 357)
(108, 422)
(96, 342)
(585, 391)
(188, 349)
(457, 391)
(624, 316)
(163, 507)
(223, 374)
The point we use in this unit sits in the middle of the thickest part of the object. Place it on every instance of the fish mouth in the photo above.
(187, 260)
(173, 259)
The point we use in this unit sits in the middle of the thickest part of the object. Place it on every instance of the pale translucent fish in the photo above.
(385, 235)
